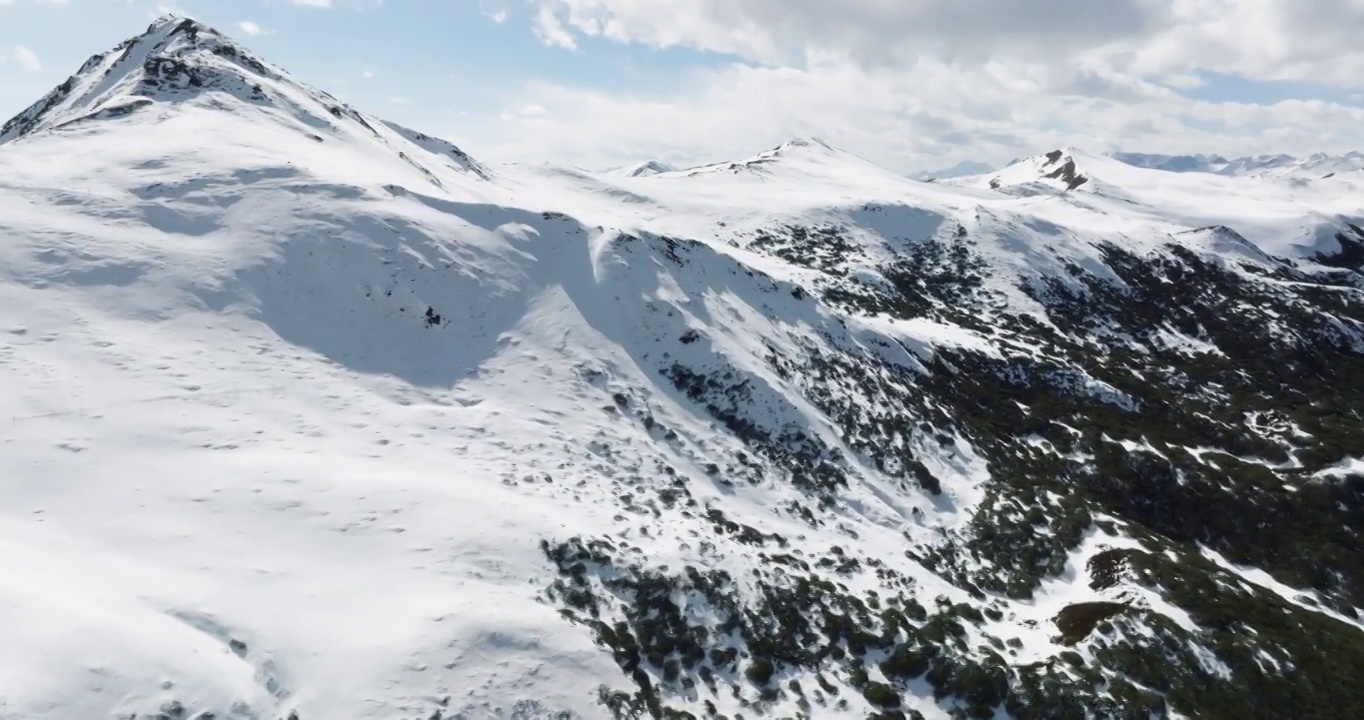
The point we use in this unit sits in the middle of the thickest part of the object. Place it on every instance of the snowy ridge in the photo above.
(799, 155)
(327, 419)
(646, 168)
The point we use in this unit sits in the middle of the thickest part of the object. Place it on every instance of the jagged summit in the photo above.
(181, 64)
(176, 59)
(1063, 169)
(646, 169)
(1060, 165)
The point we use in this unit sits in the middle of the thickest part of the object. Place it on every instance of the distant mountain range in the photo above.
(1316, 165)
(961, 169)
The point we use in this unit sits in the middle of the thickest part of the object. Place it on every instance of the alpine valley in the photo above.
(312, 416)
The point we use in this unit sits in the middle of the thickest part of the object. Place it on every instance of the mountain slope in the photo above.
(329, 419)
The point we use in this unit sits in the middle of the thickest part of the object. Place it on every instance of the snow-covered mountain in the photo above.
(315, 416)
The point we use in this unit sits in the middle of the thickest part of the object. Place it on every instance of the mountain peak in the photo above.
(176, 59)
(806, 146)
(805, 141)
(1067, 168)
(170, 18)
(180, 66)
(646, 169)
(1061, 165)
(802, 151)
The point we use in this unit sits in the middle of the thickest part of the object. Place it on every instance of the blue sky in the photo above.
(436, 55)
(912, 84)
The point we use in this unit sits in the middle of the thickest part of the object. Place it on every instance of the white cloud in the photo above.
(551, 30)
(931, 115)
(873, 30)
(923, 83)
(26, 58)
(327, 4)
(495, 10)
(251, 28)
(918, 83)
(1270, 39)
(164, 10)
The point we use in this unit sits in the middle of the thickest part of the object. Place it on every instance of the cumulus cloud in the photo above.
(1281, 39)
(871, 30)
(922, 83)
(939, 115)
(328, 4)
(26, 58)
(251, 28)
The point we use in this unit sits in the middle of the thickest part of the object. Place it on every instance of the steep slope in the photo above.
(359, 427)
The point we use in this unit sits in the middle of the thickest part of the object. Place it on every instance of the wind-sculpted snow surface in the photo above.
(315, 416)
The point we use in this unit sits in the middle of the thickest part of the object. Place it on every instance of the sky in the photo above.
(911, 84)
